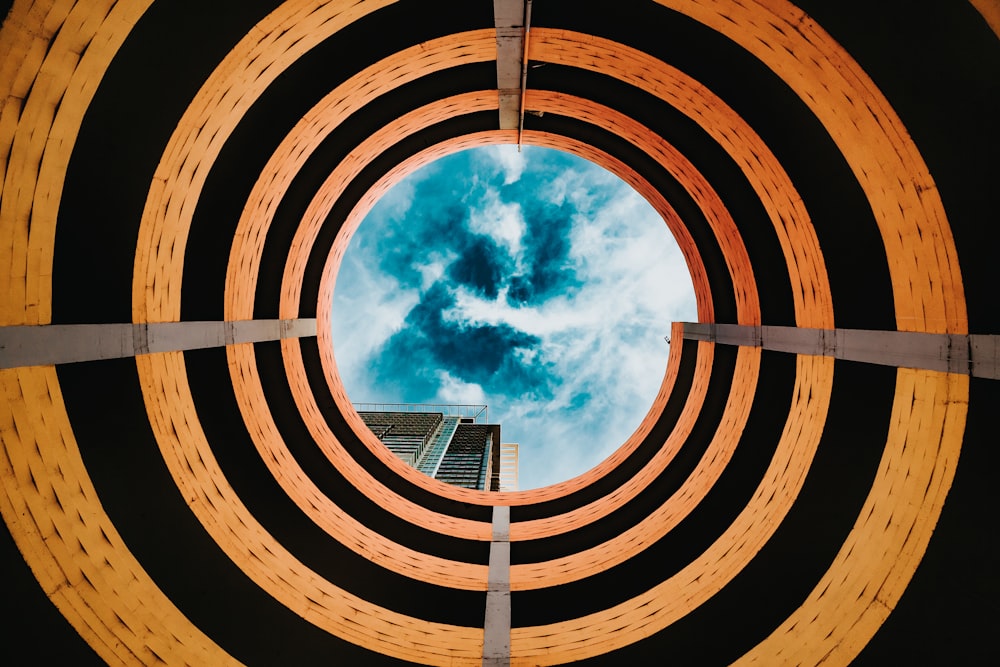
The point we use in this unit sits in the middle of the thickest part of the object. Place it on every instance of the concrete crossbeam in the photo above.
(976, 355)
(509, 21)
(496, 626)
(46, 345)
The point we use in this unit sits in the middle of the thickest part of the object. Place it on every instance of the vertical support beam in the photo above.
(496, 625)
(524, 71)
(508, 17)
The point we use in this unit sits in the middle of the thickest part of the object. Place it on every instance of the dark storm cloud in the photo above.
(404, 248)
(437, 222)
(548, 269)
(482, 266)
(484, 354)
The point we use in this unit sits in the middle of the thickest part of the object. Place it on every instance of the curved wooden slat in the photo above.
(659, 522)
(239, 81)
(336, 387)
(53, 512)
(923, 262)
(878, 558)
(326, 514)
(803, 256)
(678, 595)
(54, 58)
(188, 455)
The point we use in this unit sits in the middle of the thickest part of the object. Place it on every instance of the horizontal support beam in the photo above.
(976, 355)
(46, 345)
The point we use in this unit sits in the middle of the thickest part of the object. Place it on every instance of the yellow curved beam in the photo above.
(53, 56)
(192, 465)
(678, 595)
(55, 517)
(803, 256)
(923, 261)
(243, 76)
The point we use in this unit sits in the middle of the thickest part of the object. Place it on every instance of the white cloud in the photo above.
(605, 341)
(508, 160)
(433, 269)
(608, 338)
(500, 220)
(368, 308)
(454, 390)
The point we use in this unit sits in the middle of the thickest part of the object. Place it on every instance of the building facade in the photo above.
(442, 443)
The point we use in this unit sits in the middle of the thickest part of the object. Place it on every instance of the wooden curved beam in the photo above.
(246, 72)
(46, 86)
(929, 296)
(803, 256)
(83, 565)
(734, 251)
(660, 521)
(923, 262)
(323, 512)
(877, 560)
(49, 503)
(326, 344)
(188, 455)
(680, 594)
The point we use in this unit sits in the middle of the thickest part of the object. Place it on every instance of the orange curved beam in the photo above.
(246, 72)
(803, 257)
(678, 595)
(923, 261)
(54, 56)
(48, 501)
(192, 465)
(82, 564)
(870, 575)
(337, 523)
(730, 242)
(326, 345)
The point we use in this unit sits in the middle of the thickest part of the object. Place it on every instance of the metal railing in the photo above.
(479, 414)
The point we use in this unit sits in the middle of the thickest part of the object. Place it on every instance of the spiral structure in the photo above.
(185, 481)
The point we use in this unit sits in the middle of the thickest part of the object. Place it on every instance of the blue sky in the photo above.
(534, 282)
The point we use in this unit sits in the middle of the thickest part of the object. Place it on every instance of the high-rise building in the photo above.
(451, 443)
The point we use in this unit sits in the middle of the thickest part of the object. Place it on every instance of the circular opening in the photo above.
(530, 281)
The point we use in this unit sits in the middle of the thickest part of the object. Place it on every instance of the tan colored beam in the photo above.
(82, 564)
(508, 16)
(680, 594)
(496, 625)
(326, 514)
(250, 67)
(920, 248)
(49, 344)
(53, 59)
(945, 353)
(784, 206)
(325, 299)
(870, 573)
(189, 458)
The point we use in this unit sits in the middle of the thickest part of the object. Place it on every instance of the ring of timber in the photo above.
(186, 482)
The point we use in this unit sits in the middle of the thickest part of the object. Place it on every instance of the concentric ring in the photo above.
(185, 480)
